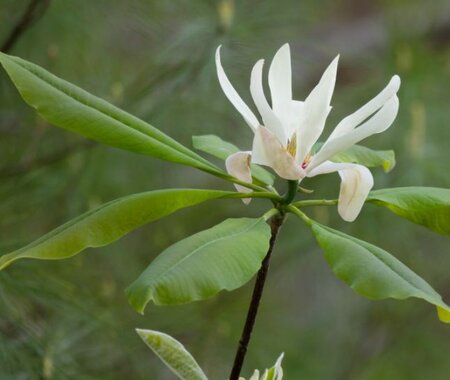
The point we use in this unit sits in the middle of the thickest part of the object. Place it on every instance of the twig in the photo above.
(275, 224)
(34, 11)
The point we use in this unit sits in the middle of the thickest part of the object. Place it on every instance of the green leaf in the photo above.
(225, 256)
(368, 157)
(221, 149)
(428, 206)
(364, 156)
(67, 106)
(173, 354)
(109, 222)
(373, 272)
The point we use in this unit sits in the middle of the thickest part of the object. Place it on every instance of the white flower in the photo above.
(290, 128)
(275, 373)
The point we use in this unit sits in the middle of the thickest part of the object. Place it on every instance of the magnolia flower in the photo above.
(275, 373)
(289, 129)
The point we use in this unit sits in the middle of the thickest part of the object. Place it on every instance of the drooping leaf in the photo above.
(362, 155)
(109, 222)
(428, 206)
(223, 257)
(368, 157)
(372, 272)
(221, 149)
(173, 354)
(68, 106)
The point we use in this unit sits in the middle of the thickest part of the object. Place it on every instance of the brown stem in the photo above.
(34, 11)
(275, 224)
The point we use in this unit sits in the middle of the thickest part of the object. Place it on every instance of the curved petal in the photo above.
(352, 121)
(238, 165)
(379, 122)
(356, 183)
(280, 80)
(268, 151)
(233, 96)
(270, 120)
(315, 111)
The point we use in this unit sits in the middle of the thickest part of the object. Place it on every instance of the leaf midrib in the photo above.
(108, 115)
(171, 268)
(392, 270)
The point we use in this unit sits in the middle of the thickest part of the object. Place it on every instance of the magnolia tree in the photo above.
(226, 256)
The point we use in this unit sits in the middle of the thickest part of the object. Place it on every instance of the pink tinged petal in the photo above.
(356, 183)
(233, 96)
(378, 123)
(352, 121)
(315, 111)
(280, 81)
(268, 151)
(238, 165)
(270, 120)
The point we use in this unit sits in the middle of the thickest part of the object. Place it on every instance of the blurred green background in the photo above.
(71, 320)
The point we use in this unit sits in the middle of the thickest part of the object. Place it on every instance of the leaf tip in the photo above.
(443, 314)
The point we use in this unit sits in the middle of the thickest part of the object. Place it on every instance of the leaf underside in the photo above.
(427, 206)
(372, 272)
(173, 354)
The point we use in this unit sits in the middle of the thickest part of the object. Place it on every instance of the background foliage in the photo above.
(71, 319)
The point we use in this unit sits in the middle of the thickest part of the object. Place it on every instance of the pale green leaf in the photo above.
(109, 222)
(223, 257)
(67, 106)
(373, 272)
(368, 157)
(428, 206)
(173, 354)
(362, 155)
(221, 149)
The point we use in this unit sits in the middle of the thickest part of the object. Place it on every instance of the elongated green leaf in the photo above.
(373, 272)
(225, 256)
(362, 155)
(368, 157)
(428, 206)
(67, 106)
(173, 354)
(109, 222)
(221, 149)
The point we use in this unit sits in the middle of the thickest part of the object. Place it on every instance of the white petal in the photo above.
(353, 120)
(292, 117)
(315, 111)
(378, 123)
(238, 165)
(356, 182)
(280, 80)
(233, 96)
(270, 120)
(278, 375)
(268, 151)
(255, 375)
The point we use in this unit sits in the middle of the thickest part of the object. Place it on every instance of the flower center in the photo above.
(292, 145)
(306, 161)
